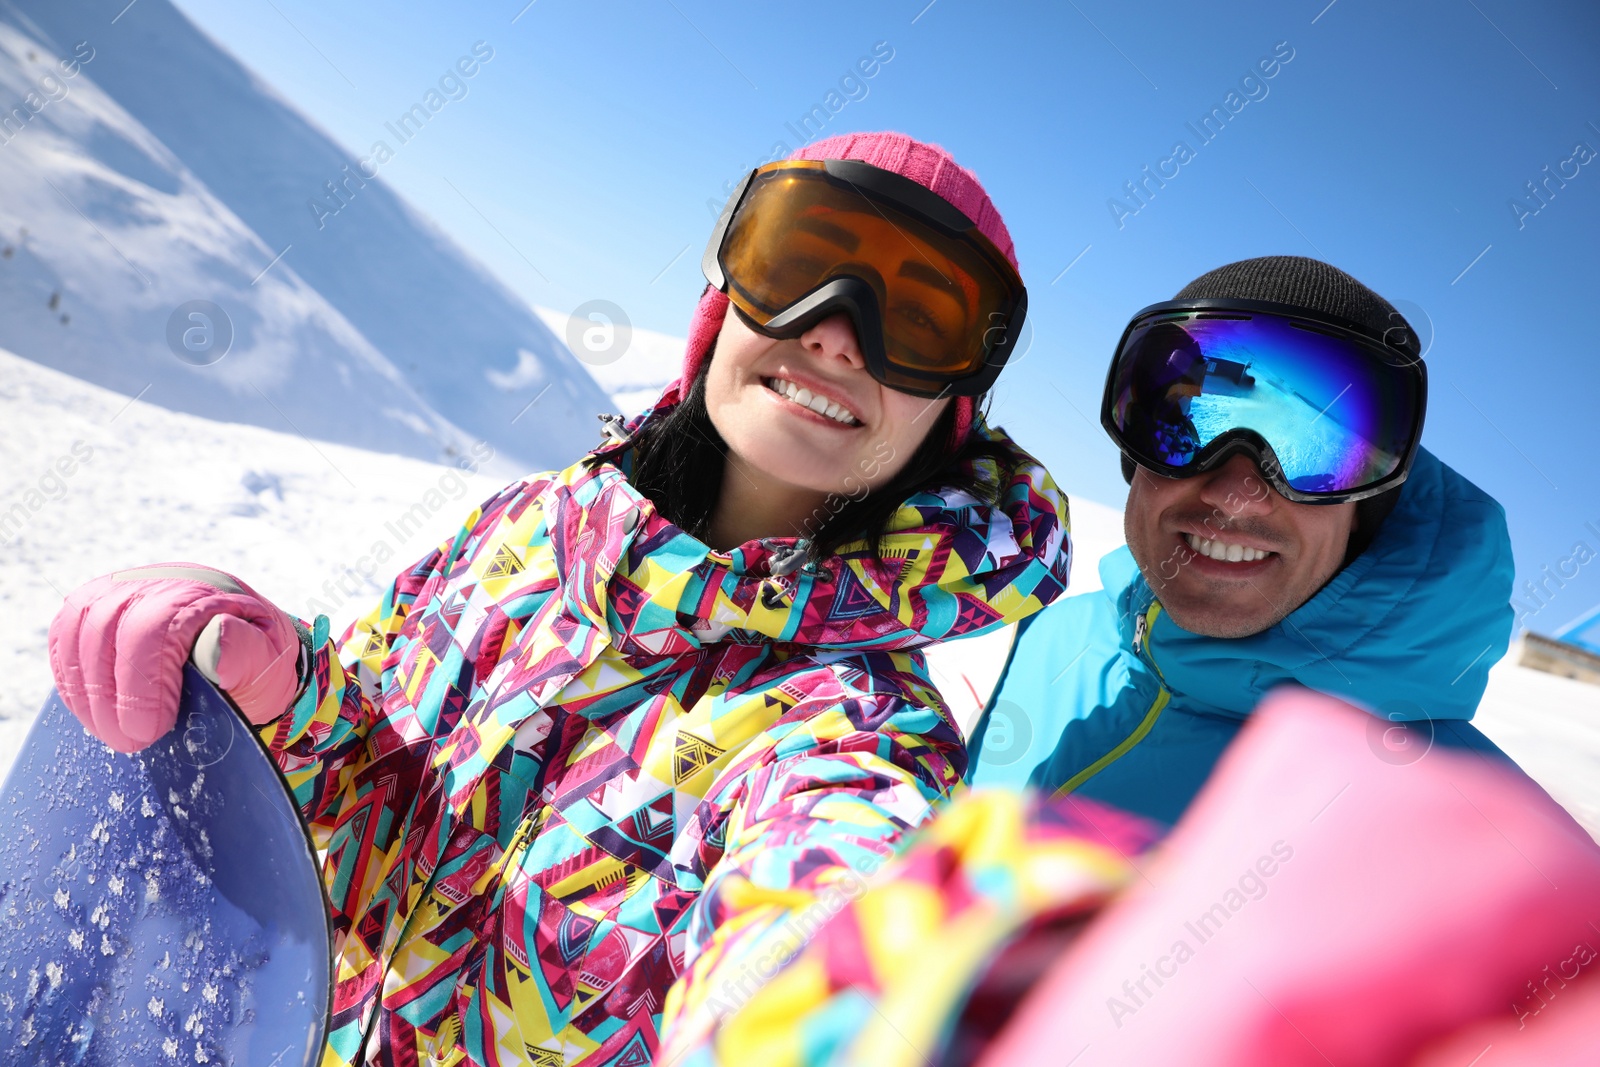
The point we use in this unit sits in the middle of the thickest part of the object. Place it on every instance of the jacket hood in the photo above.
(951, 566)
(1408, 630)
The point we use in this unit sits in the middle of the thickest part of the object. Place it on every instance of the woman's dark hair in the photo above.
(678, 460)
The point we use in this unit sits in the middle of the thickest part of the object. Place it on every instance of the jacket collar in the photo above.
(1408, 630)
(952, 567)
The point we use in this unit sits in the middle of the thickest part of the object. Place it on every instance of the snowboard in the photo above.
(164, 907)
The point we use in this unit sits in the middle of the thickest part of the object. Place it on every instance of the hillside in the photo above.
(146, 169)
(90, 483)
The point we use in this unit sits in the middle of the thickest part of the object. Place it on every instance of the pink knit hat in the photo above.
(928, 165)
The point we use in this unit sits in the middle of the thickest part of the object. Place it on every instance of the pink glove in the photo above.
(1319, 904)
(1557, 1024)
(118, 644)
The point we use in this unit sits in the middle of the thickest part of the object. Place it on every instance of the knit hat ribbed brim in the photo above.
(1305, 283)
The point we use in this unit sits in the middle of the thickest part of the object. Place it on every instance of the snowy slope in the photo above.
(103, 233)
(162, 172)
(89, 483)
(1551, 726)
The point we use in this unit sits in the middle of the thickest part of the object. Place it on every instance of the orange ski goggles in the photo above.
(936, 306)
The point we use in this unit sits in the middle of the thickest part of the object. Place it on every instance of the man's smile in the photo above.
(1226, 551)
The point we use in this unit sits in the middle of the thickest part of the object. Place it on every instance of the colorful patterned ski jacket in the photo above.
(574, 754)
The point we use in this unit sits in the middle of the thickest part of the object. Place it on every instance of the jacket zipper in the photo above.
(1141, 629)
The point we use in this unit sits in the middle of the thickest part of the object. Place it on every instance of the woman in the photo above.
(639, 712)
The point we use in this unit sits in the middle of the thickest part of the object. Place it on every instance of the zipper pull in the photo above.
(785, 561)
(612, 427)
(1139, 626)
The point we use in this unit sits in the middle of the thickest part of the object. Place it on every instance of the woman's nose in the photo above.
(834, 338)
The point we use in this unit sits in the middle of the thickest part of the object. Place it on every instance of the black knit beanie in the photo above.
(1320, 287)
(1310, 284)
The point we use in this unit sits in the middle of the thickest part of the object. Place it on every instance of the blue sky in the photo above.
(580, 163)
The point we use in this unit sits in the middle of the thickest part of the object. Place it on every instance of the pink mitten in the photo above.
(118, 644)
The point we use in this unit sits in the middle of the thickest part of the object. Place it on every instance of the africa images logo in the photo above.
(1253, 87)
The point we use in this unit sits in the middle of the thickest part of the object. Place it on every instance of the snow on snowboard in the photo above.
(161, 907)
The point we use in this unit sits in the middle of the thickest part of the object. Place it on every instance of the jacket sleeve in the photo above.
(322, 740)
(812, 819)
(885, 979)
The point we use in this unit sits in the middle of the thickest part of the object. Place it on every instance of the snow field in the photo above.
(91, 482)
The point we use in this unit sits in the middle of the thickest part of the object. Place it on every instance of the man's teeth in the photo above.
(1226, 553)
(806, 399)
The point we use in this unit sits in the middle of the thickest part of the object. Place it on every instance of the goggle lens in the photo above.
(944, 300)
(1339, 414)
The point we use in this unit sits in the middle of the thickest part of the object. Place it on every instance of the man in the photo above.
(1283, 526)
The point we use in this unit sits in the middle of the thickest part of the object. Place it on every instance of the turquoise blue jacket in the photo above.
(1104, 695)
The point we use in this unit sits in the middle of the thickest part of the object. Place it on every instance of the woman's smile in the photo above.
(813, 401)
(803, 421)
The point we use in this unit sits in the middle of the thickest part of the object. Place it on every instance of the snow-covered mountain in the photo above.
(144, 168)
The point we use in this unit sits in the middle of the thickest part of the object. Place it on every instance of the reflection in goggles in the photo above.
(1327, 410)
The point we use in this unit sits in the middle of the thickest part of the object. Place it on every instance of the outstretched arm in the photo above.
(813, 818)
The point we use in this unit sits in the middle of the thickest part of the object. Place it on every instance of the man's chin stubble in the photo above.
(1210, 622)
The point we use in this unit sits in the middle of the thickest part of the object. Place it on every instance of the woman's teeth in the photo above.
(806, 399)
(1226, 553)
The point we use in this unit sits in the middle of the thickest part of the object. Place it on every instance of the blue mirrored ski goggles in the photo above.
(1327, 412)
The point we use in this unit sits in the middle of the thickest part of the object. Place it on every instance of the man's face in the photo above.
(1276, 554)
